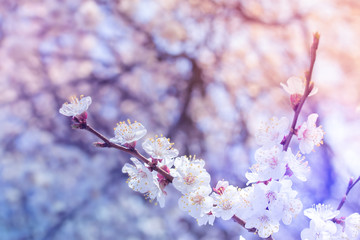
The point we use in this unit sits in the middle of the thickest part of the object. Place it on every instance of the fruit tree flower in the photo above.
(309, 135)
(296, 166)
(197, 203)
(221, 186)
(321, 224)
(140, 178)
(290, 206)
(207, 218)
(76, 106)
(265, 221)
(189, 174)
(296, 85)
(226, 204)
(352, 225)
(272, 132)
(128, 133)
(160, 149)
(319, 230)
(259, 215)
(321, 211)
(143, 181)
(270, 163)
(296, 88)
(157, 191)
(271, 203)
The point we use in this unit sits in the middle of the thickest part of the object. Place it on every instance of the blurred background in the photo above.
(203, 72)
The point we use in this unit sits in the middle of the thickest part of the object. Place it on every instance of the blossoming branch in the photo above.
(269, 197)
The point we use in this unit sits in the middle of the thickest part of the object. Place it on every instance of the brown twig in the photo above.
(350, 186)
(131, 151)
(308, 88)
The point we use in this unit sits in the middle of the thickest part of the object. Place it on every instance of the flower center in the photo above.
(220, 190)
(75, 100)
(142, 174)
(197, 200)
(226, 204)
(189, 179)
(264, 219)
(271, 196)
(273, 162)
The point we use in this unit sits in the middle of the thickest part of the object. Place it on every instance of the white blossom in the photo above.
(270, 163)
(197, 203)
(221, 186)
(265, 195)
(319, 230)
(76, 106)
(296, 85)
(272, 132)
(143, 181)
(260, 215)
(297, 165)
(128, 133)
(265, 221)
(352, 225)
(189, 174)
(161, 149)
(140, 178)
(309, 135)
(277, 199)
(253, 176)
(246, 198)
(290, 206)
(340, 235)
(321, 211)
(207, 218)
(157, 192)
(226, 204)
(321, 224)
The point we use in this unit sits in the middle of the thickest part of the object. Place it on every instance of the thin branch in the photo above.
(350, 186)
(131, 151)
(308, 88)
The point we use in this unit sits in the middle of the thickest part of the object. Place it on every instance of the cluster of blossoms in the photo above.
(268, 198)
(271, 197)
(325, 225)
